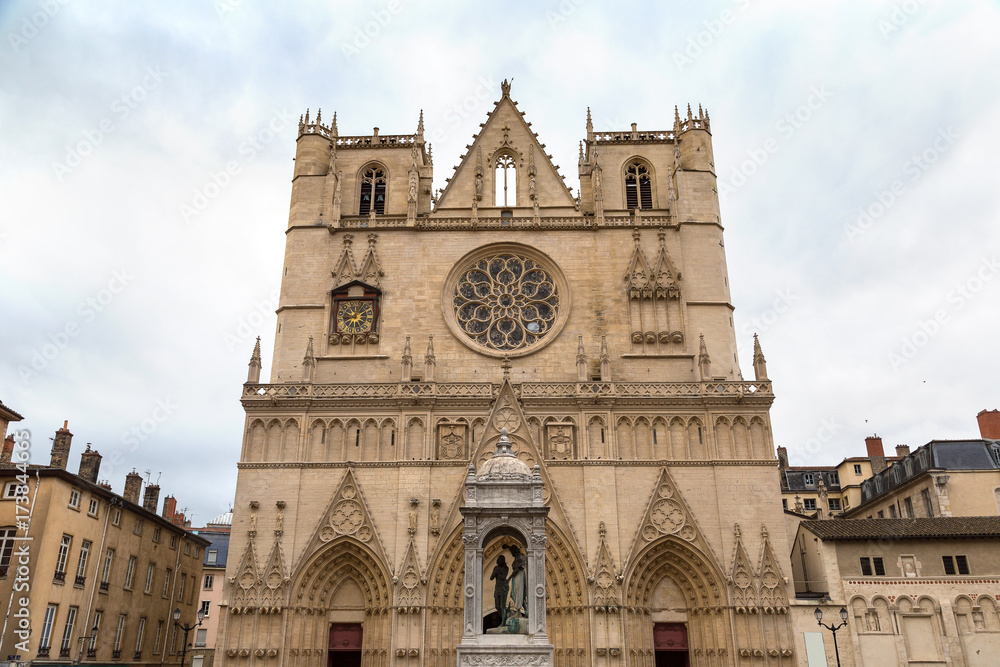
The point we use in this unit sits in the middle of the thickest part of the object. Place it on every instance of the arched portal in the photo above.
(340, 591)
(567, 611)
(672, 587)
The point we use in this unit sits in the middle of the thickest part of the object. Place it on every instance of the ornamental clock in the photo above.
(355, 316)
(355, 313)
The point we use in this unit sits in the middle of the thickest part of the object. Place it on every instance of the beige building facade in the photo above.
(75, 556)
(596, 329)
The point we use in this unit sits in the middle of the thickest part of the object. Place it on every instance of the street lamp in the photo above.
(832, 628)
(93, 635)
(189, 628)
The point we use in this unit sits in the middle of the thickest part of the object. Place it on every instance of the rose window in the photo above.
(506, 302)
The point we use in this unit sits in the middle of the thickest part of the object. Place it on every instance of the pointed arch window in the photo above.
(372, 191)
(505, 180)
(638, 186)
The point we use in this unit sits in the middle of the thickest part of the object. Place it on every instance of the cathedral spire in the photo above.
(759, 363)
(333, 125)
(590, 126)
(677, 122)
(704, 361)
(420, 127)
(253, 377)
(308, 362)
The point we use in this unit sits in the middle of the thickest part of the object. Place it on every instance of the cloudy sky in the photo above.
(855, 142)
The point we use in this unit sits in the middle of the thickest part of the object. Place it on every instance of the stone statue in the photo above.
(531, 186)
(412, 195)
(518, 582)
(499, 575)
(479, 186)
(338, 193)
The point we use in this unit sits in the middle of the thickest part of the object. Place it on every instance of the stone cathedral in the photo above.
(590, 332)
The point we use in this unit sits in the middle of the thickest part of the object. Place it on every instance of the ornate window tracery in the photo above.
(505, 180)
(373, 183)
(506, 302)
(638, 186)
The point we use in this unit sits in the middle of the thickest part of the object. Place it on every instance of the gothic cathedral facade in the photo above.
(596, 328)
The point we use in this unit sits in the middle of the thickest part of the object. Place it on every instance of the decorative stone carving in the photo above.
(561, 440)
(451, 441)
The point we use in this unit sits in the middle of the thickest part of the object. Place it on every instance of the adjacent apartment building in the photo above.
(90, 575)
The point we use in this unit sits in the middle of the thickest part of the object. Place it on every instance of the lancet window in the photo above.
(505, 180)
(372, 191)
(638, 186)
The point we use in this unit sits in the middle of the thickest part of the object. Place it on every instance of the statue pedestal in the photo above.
(502, 650)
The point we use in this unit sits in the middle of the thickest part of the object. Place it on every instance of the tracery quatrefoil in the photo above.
(506, 302)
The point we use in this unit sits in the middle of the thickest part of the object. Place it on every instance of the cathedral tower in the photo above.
(596, 328)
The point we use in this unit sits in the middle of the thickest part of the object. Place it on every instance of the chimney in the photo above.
(133, 484)
(90, 465)
(104, 484)
(902, 450)
(989, 424)
(8, 450)
(875, 453)
(169, 508)
(151, 498)
(782, 458)
(60, 447)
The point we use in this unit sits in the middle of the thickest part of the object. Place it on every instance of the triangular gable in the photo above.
(667, 514)
(772, 592)
(371, 266)
(664, 276)
(346, 516)
(246, 579)
(346, 270)
(274, 579)
(744, 593)
(408, 578)
(637, 276)
(505, 129)
(607, 589)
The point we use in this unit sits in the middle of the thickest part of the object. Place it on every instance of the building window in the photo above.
(116, 651)
(150, 573)
(173, 541)
(109, 558)
(908, 506)
(94, 507)
(505, 180)
(67, 640)
(187, 548)
(139, 636)
(81, 564)
(834, 504)
(784, 503)
(879, 566)
(156, 534)
(209, 581)
(180, 588)
(878, 484)
(872, 565)
(159, 636)
(6, 549)
(45, 639)
(206, 605)
(892, 511)
(74, 499)
(138, 527)
(926, 495)
(834, 478)
(881, 514)
(809, 504)
(950, 564)
(809, 478)
(638, 187)
(62, 557)
(200, 637)
(92, 647)
(13, 490)
(166, 582)
(173, 640)
(857, 469)
(130, 572)
(116, 517)
(211, 556)
(372, 190)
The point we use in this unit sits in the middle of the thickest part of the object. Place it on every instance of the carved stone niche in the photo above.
(452, 440)
(560, 438)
